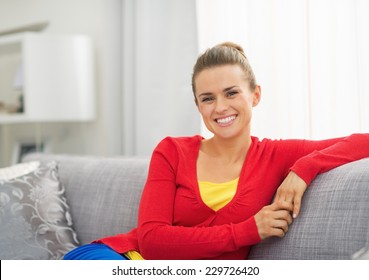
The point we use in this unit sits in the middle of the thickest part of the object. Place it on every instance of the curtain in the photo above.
(309, 56)
(159, 47)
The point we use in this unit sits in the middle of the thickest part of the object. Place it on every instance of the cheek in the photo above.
(248, 102)
(205, 111)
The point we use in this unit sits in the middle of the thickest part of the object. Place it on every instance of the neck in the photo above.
(228, 150)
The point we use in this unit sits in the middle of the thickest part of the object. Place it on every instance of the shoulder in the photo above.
(283, 145)
(183, 141)
(174, 150)
(170, 145)
(264, 143)
(269, 141)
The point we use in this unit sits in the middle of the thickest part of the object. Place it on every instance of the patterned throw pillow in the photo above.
(35, 222)
(18, 170)
(362, 254)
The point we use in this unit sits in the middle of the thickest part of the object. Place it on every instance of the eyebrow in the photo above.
(224, 90)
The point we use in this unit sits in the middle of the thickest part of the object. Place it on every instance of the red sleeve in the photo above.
(322, 156)
(159, 239)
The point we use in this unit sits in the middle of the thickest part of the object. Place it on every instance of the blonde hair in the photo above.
(226, 53)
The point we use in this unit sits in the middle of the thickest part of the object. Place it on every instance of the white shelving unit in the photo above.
(58, 83)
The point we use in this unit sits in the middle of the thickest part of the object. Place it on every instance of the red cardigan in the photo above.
(174, 223)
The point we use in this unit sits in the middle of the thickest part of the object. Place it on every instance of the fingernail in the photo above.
(294, 215)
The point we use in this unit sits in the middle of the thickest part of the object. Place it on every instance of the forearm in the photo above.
(177, 242)
(351, 148)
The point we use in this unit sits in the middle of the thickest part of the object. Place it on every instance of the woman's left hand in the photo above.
(291, 190)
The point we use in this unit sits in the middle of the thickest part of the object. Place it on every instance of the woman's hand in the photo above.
(274, 219)
(291, 190)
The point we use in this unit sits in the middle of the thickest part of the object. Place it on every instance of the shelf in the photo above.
(22, 118)
(12, 118)
(58, 77)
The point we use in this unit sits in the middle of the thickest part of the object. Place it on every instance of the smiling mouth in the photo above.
(225, 121)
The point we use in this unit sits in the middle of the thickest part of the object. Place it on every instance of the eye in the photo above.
(232, 93)
(207, 99)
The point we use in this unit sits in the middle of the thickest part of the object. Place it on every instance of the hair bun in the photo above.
(233, 46)
(226, 53)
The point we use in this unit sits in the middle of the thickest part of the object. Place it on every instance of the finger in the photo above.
(285, 195)
(277, 196)
(296, 207)
(283, 215)
(280, 224)
(278, 232)
(289, 196)
(283, 205)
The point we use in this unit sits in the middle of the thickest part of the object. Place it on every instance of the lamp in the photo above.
(56, 77)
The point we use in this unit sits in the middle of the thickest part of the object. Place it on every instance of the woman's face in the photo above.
(225, 101)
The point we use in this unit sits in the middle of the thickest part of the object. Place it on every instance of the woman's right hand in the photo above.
(274, 219)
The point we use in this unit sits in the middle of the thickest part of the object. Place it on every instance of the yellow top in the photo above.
(217, 195)
(134, 255)
(214, 195)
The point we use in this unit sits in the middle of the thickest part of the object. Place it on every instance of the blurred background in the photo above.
(124, 80)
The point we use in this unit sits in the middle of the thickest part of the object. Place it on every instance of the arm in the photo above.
(319, 157)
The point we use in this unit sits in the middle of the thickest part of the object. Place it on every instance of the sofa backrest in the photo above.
(103, 193)
(333, 222)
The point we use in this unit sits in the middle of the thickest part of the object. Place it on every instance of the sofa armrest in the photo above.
(334, 218)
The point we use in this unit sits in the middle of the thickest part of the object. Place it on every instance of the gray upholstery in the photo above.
(334, 219)
(103, 195)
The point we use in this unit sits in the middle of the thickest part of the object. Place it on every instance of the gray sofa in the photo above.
(103, 195)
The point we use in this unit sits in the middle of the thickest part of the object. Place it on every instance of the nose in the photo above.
(221, 105)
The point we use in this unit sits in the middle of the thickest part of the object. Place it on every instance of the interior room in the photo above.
(140, 67)
(92, 87)
(130, 37)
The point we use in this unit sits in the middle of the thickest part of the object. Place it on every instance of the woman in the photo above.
(210, 198)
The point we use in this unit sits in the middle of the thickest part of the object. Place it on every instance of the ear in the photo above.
(256, 96)
(197, 104)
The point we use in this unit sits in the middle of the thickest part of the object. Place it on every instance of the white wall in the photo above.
(145, 51)
(99, 19)
(160, 48)
(310, 58)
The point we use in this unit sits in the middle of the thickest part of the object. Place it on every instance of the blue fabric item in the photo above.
(94, 251)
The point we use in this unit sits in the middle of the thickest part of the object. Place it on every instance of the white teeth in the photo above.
(226, 120)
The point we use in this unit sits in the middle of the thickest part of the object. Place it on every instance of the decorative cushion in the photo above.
(18, 170)
(362, 254)
(34, 216)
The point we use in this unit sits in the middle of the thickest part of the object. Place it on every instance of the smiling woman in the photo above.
(224, 97)
(213, 198)
(225, 89)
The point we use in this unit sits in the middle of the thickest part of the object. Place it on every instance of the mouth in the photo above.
(225, 121)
